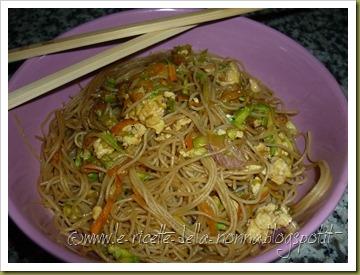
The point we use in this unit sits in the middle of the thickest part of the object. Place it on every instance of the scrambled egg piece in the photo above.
(180, 123)
(262, 150)
(255, 185)
(252, 167)
(133, 134)
(162, 137)
(232, 75)
(195, 152)
(220, 132)
(102, 148)
(169, 94)
(279, 171)
(150, 112)
(267, 217)
(96, 212)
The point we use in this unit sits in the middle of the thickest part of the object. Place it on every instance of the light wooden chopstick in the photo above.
(88, 65)
(102, 59)
(90, 38)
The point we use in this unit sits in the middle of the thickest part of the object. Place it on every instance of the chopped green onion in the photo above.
(86, 155)
(110, 82)
(143, 176)
(83, 155)
(93, 177)
(241, 116)
(110, 140)
(260, 107)
(122, 254)
(170, 105)
(264, 112)
(78, 161)
(273, 149)
(220, 226)
(154, 94)
(110, 98)
(232, 133)
(201, 75)
(199, 142)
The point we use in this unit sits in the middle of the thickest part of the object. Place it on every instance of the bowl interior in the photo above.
(296, 77)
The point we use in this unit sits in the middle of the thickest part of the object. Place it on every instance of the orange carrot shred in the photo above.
(56, 158)
(188, 142)
(99, 223)
(119, 126)
(172, 72)
(204, 207)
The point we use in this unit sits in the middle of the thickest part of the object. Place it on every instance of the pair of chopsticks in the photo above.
(150, 32)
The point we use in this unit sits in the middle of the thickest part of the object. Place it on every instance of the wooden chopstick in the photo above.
(88, 65)
(90, 38)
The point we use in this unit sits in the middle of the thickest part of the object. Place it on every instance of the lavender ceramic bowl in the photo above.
(296, 76)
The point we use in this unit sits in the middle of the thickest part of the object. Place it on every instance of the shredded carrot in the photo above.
(88, 140)
(119, 126)
(188, 142)
(147, 84)
(99, 223)
(182, 97)
(172, 72)
(112, 171)
(56, 158)
(135, 96)
(204, 207)
(264, 195)
(157, 68)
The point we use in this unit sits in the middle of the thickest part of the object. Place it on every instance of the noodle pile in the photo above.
(181, 141)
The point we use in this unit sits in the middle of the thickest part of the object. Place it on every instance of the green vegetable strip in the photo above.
(199, 142)
(110, 98)
(110, 140)
(240, 116)
(220, 226)
(93, 177)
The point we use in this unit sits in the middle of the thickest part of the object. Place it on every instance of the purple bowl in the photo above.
(286, 67)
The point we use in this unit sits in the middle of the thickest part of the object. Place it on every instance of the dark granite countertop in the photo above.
(322, 31)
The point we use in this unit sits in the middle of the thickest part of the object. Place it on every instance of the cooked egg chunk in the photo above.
(133, 134)
(101, 148)
(150, 112)
(232, 75)
(279, 171)
(267, 217)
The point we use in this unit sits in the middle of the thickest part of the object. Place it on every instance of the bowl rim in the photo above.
(319, 216)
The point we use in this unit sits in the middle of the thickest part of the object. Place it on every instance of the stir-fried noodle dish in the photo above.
(180, 156)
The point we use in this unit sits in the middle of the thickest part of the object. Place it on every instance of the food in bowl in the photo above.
(180, 156)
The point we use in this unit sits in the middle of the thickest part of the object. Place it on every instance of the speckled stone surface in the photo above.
(322, 31)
